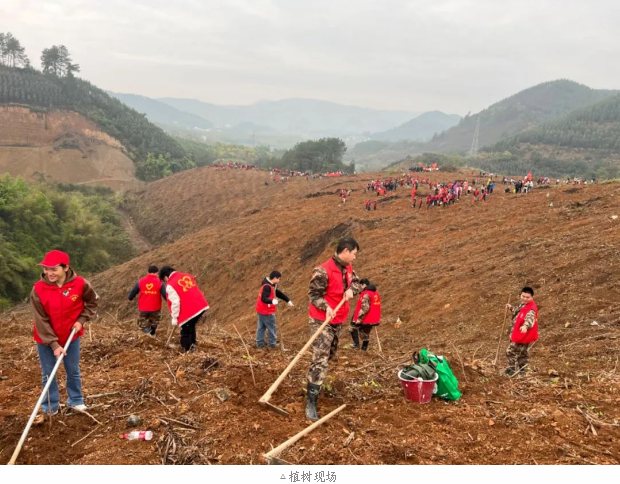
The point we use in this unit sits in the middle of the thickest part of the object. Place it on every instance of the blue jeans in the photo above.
(266, 322)
(72, 368)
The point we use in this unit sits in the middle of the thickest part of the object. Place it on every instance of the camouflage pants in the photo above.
(518, 355)
(149, 320)
(324, 348)
(363, 329)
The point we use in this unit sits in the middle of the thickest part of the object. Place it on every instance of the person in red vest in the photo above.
(367, 315)
(186, 303)
(150, 292)
(374, 205)
(331, 282)
(60, 302)
(524, 332)
(266, 304)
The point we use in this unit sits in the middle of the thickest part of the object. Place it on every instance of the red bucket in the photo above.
(418, 390)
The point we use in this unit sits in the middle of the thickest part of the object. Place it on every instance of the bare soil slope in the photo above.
(62, 146)
(446, 273)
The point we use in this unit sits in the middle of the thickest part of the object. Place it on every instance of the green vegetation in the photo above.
(538, 104)
(204, 154)
(320, 156)
(84, 221)
(139, 136)
(12, 53)
(56, 87)
(596, 127)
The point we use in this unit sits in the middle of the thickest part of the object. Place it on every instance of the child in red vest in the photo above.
(366, 316)
(524, 332)
(186, 303)
(61, 301)
(374, 205)
(150, 292)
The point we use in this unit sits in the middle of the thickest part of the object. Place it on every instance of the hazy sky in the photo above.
(456, 56)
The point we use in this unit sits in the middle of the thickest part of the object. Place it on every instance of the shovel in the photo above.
(50, 379)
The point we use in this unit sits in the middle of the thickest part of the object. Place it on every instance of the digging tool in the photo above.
(274, 453)
(170, 335)
(50, 379)
(378, 340)
(499, 342)
(267, 396)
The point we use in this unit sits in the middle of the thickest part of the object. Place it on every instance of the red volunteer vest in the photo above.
(374, 313)
(263, 308)
(63, 305)
(530, 336)
(335, 292)
(149, 298)
(192, 300)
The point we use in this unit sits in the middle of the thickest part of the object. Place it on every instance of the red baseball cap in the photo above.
(54, 258)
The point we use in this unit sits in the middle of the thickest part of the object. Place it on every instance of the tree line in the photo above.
(84, 221)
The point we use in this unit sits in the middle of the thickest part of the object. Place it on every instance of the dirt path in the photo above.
(137, 240)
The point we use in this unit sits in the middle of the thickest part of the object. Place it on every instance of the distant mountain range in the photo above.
(421, 128)
(304, 117)
(161, 113)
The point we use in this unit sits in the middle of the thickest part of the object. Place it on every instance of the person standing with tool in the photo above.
(266, 305)
(331, 282)
(186, 303)
(60, 302)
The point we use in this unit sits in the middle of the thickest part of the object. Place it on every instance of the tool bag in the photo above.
(424, 371)
(447, 384)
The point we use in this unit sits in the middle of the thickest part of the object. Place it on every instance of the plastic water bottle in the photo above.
(140, 435)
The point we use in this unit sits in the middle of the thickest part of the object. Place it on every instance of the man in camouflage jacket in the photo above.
(331, 282)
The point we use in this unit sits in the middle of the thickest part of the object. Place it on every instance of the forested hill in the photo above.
(538, 104)
(595, 127)
(47, 91)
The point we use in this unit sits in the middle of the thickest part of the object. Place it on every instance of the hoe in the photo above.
(267, 396)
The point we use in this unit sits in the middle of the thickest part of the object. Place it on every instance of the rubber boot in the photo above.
(311, 401)
(355, 334)
(365, 345)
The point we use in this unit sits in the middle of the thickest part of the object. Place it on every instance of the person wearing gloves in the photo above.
(60, 302)
(266, 304)
(186, 303)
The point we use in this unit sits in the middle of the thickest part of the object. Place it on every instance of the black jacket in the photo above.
(265, 296)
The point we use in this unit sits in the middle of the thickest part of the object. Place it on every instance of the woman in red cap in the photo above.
(61, 301)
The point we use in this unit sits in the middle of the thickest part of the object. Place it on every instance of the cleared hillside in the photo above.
(46, 91)
(61, 146)
(446, 273)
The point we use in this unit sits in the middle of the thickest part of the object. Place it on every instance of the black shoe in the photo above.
(146, 330)
(311, 401)
(355, 334)
(365, 345)
(153, 331)
(510, 371)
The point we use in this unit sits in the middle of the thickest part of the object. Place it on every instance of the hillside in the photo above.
(445, 274)
(45, 93)
(61, 146)
(538, 104)
(589, 136)
(161, 113)
(421, 128)
(302, 117)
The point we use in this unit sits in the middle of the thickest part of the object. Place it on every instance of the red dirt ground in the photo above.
(446, 274)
